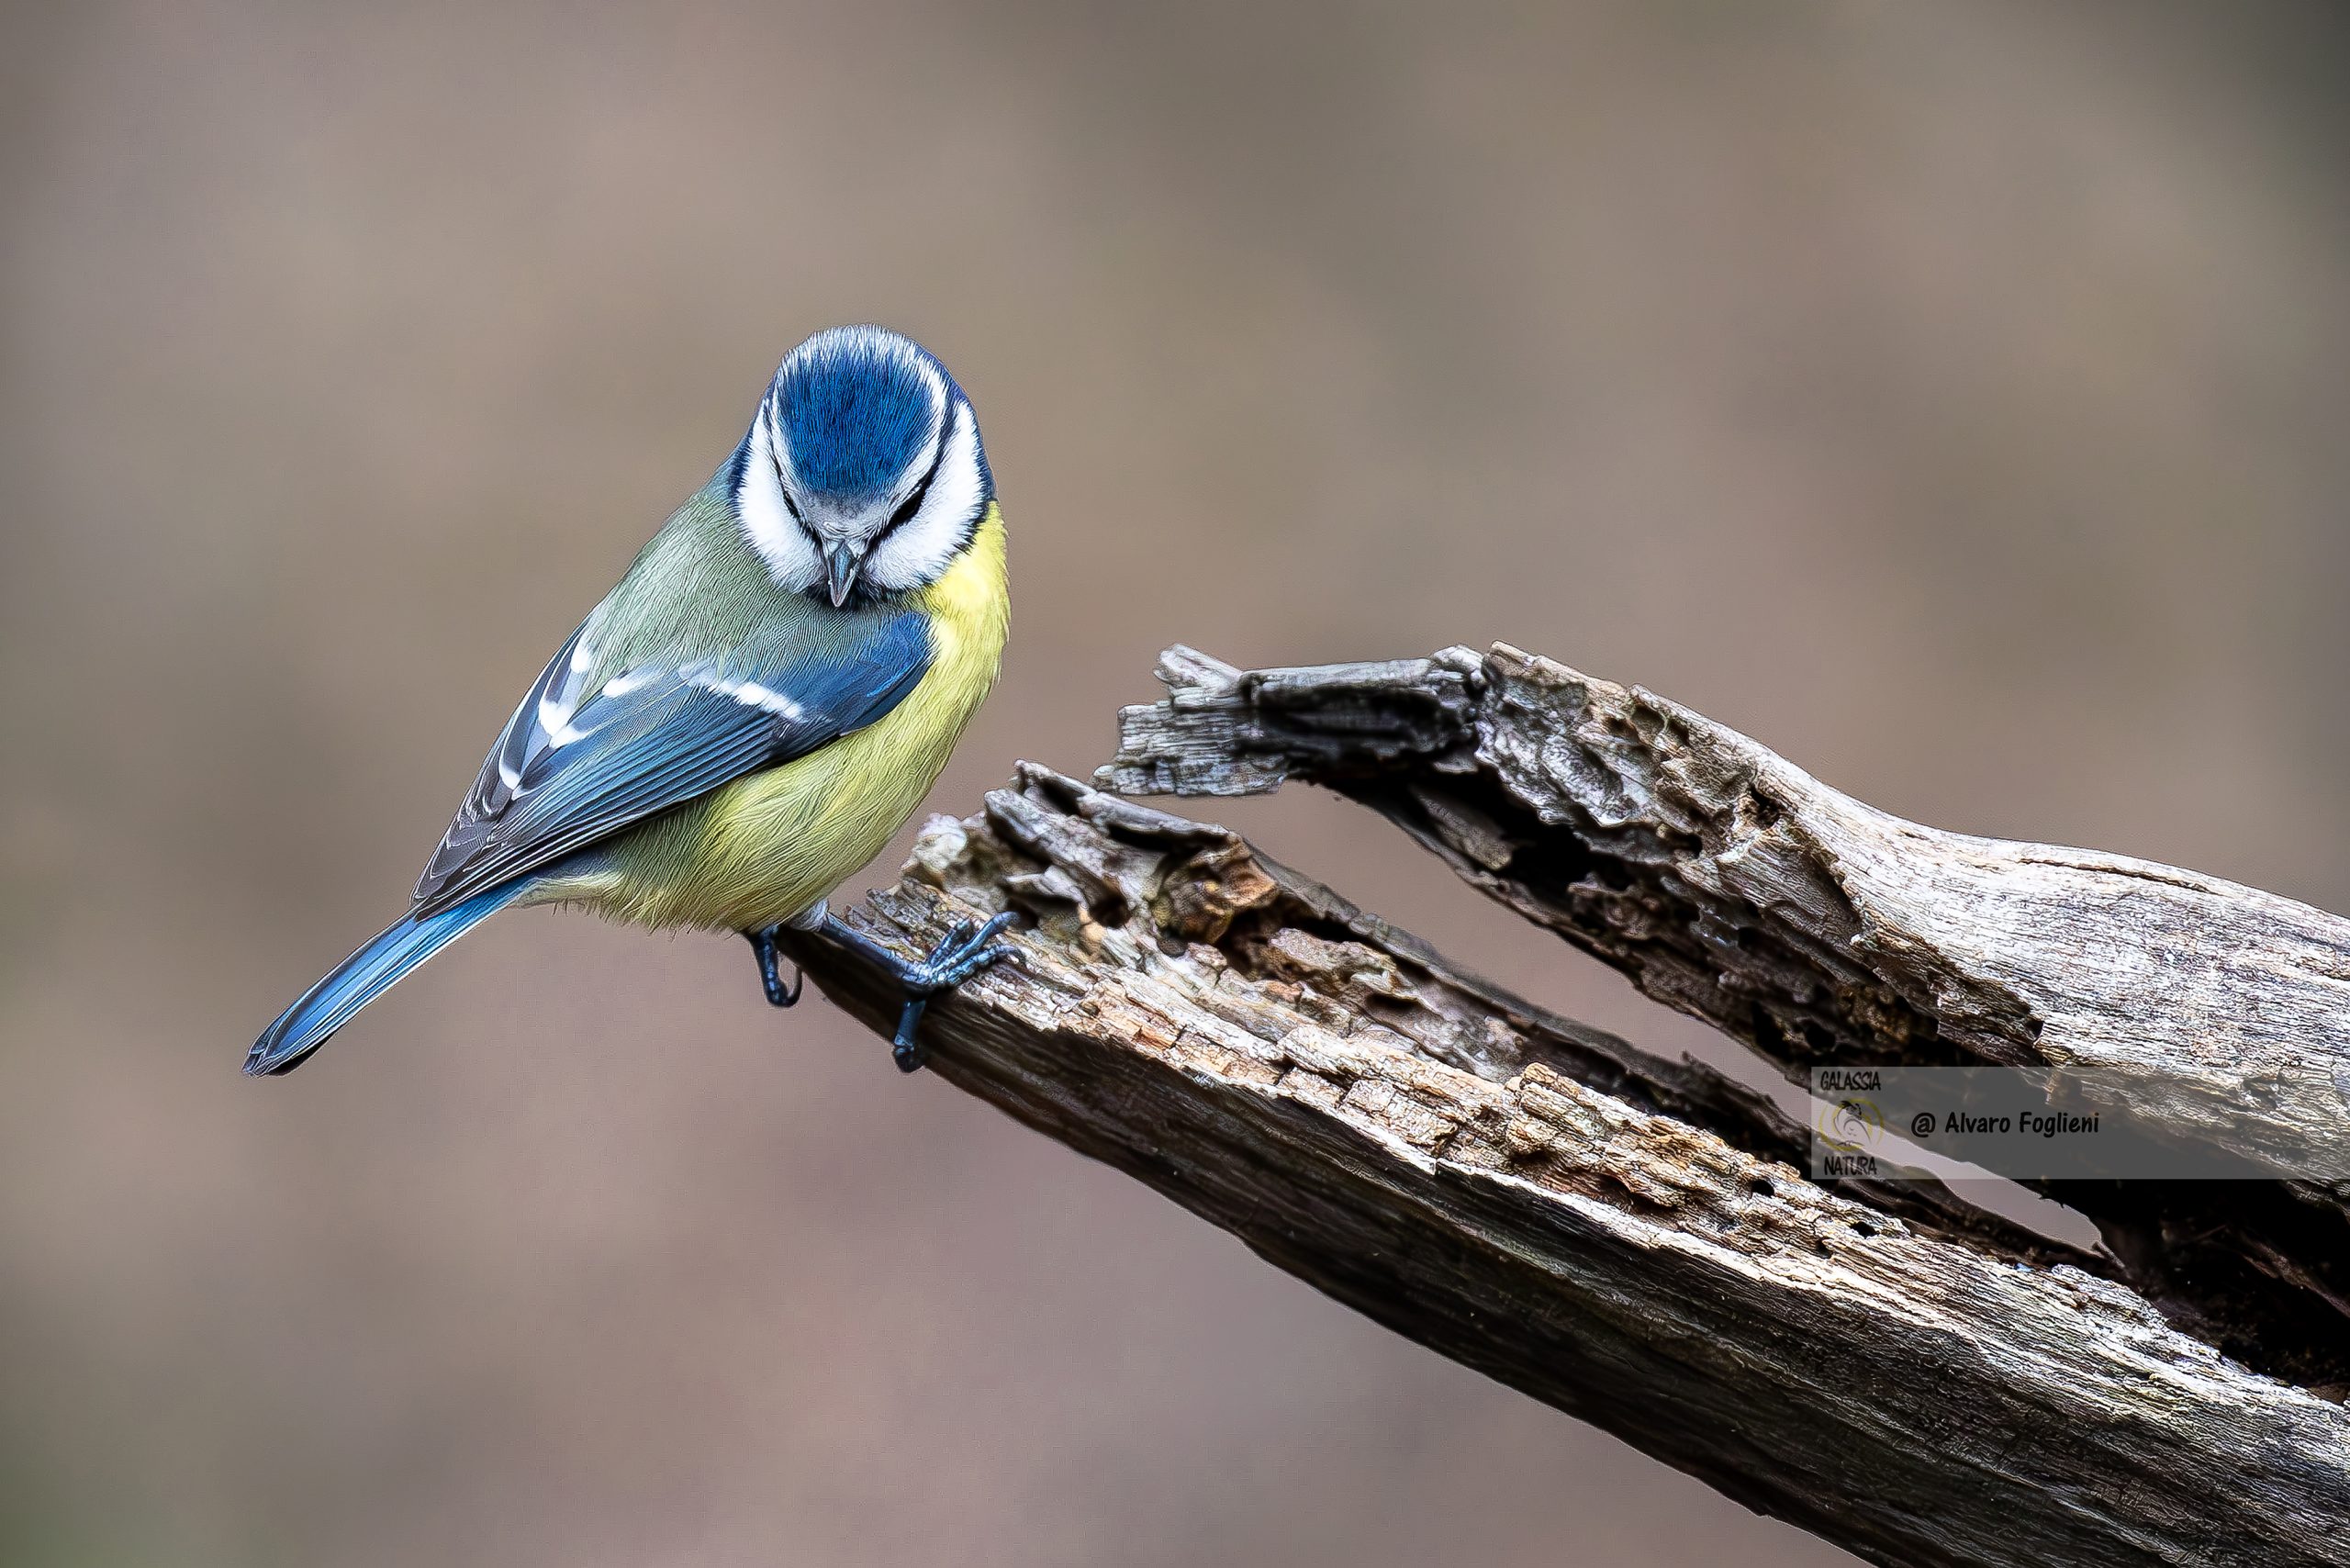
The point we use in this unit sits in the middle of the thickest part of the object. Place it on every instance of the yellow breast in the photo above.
(766, 847)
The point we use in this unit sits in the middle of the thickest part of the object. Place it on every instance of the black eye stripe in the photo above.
(912, 503)
(781, 488)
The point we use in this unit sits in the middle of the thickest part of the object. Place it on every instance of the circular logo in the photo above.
(1848, 1125)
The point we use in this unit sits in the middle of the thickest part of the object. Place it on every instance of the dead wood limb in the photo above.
(1729, 883)
(1546, 1204)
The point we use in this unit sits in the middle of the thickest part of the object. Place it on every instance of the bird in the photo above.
(756, 707)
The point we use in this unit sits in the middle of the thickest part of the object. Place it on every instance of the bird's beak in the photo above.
(841, 562)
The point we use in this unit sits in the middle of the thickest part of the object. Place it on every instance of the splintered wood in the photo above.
(1727, 882)
(1622, 1236)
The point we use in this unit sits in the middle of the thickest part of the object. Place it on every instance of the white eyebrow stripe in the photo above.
(941, 418)
(945, 419)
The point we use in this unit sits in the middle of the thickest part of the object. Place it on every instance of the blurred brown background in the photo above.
(1953, 397)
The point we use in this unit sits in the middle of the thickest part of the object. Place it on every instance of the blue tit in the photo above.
(762, 701)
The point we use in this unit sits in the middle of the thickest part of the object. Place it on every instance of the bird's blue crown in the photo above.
(863, 472)
(857, 406)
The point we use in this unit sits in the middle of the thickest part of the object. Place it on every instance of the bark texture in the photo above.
(1610, 1233)
(1729, 883)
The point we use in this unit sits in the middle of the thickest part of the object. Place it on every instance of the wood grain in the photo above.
(1729, 883)
(1545, 1202)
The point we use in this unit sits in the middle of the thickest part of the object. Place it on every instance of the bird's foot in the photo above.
(967, 949)
(770, 968)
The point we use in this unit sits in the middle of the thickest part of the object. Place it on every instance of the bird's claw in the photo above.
(770, 971)
(966, 949)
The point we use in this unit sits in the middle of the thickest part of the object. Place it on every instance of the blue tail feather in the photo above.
(366, 975)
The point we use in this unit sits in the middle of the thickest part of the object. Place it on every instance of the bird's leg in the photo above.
(770, 971)
(967, 949)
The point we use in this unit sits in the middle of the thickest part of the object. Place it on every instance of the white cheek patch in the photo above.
(921, 547)
(767, 524)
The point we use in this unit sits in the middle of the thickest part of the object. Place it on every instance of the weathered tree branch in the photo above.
(1548, 1204)
(1626, 1237)
(1578, 1219)
(1730, 884)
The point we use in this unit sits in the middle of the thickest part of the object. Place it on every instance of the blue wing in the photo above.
(575, 766)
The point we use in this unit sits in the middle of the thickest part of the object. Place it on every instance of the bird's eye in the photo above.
(912, 503)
